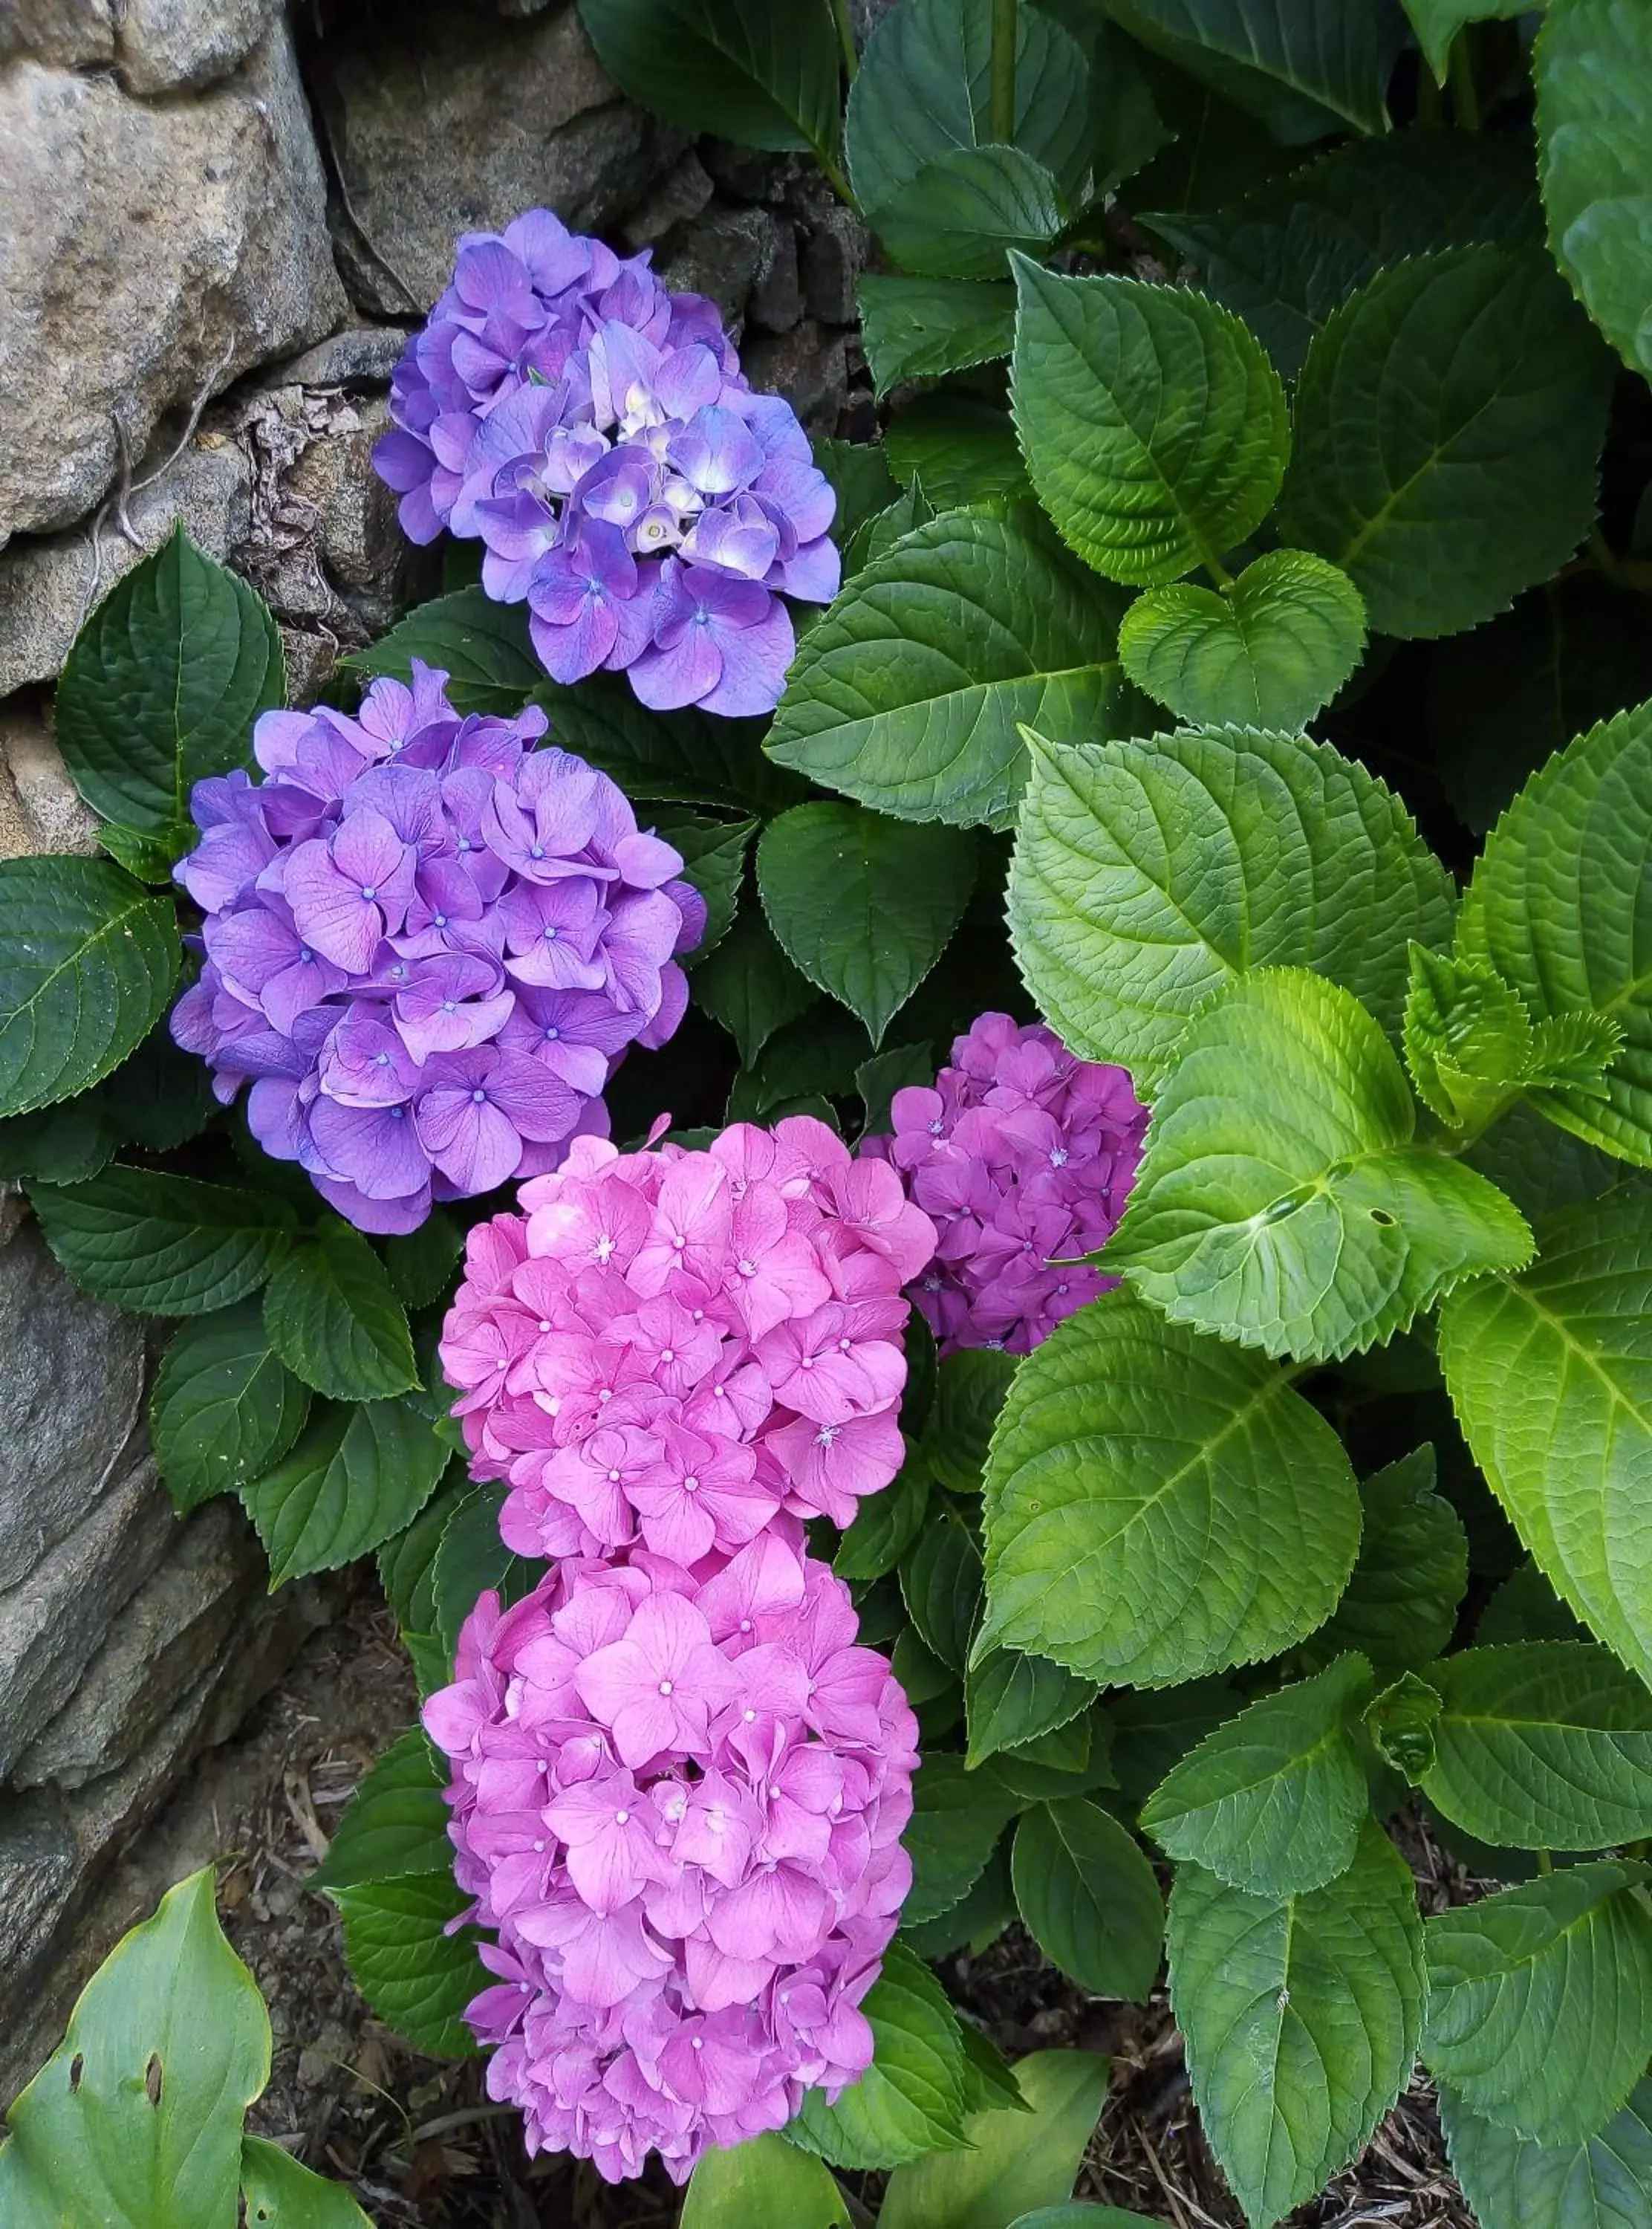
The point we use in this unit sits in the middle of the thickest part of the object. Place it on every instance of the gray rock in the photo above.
(680, 195)
(808, 365)
(49, 583)
(312, 659)
(68, 33)
(69, 1396)
(724, 255)
(833, 261)
(162, 45)
(40, 810)
(777, 299)
(37, 1868)
(747, 172)
(165, 247)
(365, 355)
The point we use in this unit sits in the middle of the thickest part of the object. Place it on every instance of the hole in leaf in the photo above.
(152, 2078)
(1381, 1215)
(77, 2068)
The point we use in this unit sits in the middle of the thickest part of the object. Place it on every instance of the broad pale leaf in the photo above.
(395, 1822)
(910, 695)
(1603, 2183)
(223, 1407)
(279, 2192)
(915, 328)
(1283, 1199)
(761, 72)
(965, 213)
(416, 1976)
(1301, 2017)
(911, 2099)
(1018, 2158)
(958, 1815)
(1448, 430)
(360, 1473)
(1267, 652)
(1273, 1802)
(1303, 67)
(162, 1245)
(1550, 1373)
(1160, 1505)
(333, 1317)
(1154, 426)
(1539, 2004)
(1088, 1898)
(482, 646)
(765, 2180)
(1147, 874)
(1400, 1609)
(1592, 63)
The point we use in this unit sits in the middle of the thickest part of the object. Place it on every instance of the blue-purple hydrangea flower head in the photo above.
(595, 431)
(428, 945)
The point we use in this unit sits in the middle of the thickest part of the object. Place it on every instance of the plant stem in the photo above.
(846, 38)
(1430, 108)
(1219, 573)
(1001, 102)
(1545, 1862)
(835, 179)
(1465, 100)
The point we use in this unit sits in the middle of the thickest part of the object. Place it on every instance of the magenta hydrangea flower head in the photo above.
(428, 945)
(667, 1349)
(677, 1800)
(1022, 1156)
(594, 430)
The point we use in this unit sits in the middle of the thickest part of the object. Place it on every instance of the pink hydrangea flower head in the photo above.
(1022, 1156)
(676, 1803)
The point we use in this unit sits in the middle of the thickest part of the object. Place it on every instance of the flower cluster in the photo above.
(677, 1799)
(594, 430)
(675, 1347)
(1022, 1156)
(427, 946)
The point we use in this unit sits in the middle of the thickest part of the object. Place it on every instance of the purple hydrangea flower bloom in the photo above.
(585, 423)
(427, 943)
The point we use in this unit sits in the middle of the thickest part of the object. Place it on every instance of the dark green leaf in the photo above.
(482, 646)
(334, 1319)
(1151, 1730)
(713, 854)
(361, 1472)
(395, 1822)
(161, 1245)
(471, 1558)
(1401, 1604)
(687, 758)
(417, 1977)
(957, 1816)
(860, 473)
(965, 213)
(761, 72)
(1605, 2183)
(885, 1525)
(960, 449)
(1591, 64)
(422, 1264)
(150, 853)
(749, 985)
(970, 1392)
(940, 1582)
(407, 1560)
(918, 328)
(1012, 1699)
(1526, 1608)
(1304, 67)
(58, 1145)
(223, 1407)
(1437, 23)
(911, 2099)
(898, 1069)
(1089, 1899)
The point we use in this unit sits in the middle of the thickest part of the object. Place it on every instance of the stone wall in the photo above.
(218, 223)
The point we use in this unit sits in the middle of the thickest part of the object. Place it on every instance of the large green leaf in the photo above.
(863, 905)
(87, 960)
(416, 1976)
(1436, 24)
(1304, 67)
(749, 985)
(223, 1407)
(1539, 2000)
(1154, 426)
(361, 1471)
(135, 2121)
(1273, 1802)
(958, 447)
(1448, 431)
(1087, 1896)
(1301, 2019)
(964, 213)
(911, 2099)
(761, 72)
(1147, 874)
(1550, 1373)
(1591, 64)
(333, 1317)
(1266, 653)
(1011, 1700)
(1400, 1609)
(911, 693)
(914, 328)
(766, 2179)
(482, 646)
(165, 1246)
(1160, 1505)
(1018, 2159)
(687, 757)
(1556, 907)
(395, 1822)
(957, 1816)
(1283, 1199)
(280, 2193)
(1603, 2183)
(164, 684)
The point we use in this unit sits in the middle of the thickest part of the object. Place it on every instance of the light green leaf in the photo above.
(713, 854)
(1273, 1802)
(911, 693)
(910, 2101)
(1159, 1504)
(1303, 67)
(863, 905)
(361, 1471)
(1267, 652)
(915, 328)
(223, 1407)
(1436, 24)
(1401, 1604)
(959, 448)
(965, 212)
(957, 1816)
(482, 646)
(1082, 2214)
(416, 1976)
(162, 1245)
(1539, 2007)
(1448, 431)
(1605, 2183)
(1018, 2160)
(395, 1823)
(1148, 874)
(1087, 1895)
(1591, 63)
(1010, 1699)
(1282, 1199)
(749, 985)
(1548, 1373)
(970, 1392)
(280, 2193)
(1468, 1038)
(759, 2182)
(761, 72)
(334, 1319)
(1154, 426)
(1301, 2019)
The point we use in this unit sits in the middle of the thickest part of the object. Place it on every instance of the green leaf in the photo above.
(223, 1407)
(1448, 431)
(898, 1067)
(1081, 2214)
(161, 1096)
(1303, 67)
(685, 758)
(965, 212)
(957, 1816)
(1088, 1898)
(1542, 1168)
(1282, 1199)
(713, 854)
(1539, 2005)
(416, 1976)
(910, 695)
(361, 1471)
(422, 1263)
(1526, 1608)
(1301, 2019)
(1154, 426)
(1548, 1375)
(1400, 1609)
(910, 510)
(1436, 24)
(940, 1584)
(969, 1393)
(885, 1525)
(863, 905)
(279, 2193)
(1401, 1722)
(1547, 1746)
(1468, 1038)
(1151, 1732)
(407, 1562)
(1011, 1700)
(1071, 1760)
(165, 1246)
(1605, 2183)
(147, 853)
(1267, 652)
(88, 960)
(1590, 65)
(1273, 1802)
(763, 2180)
(58, 1145)
(1551, 908)
(1017, 2160)
(918, 328)
(164, 684)
(482, 646)
(961, 448)
(395, 1822)
(472, 1556)
(989, 2085)
(861, 479)
(749, 985)
(333, 1317)
(1148, 874)
(910, 2101)
(979, 1920)
(1159, 1504)
(135, 2118)
(761, 72)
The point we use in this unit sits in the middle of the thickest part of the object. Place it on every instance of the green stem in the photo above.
(846, 38)
(1545, 1862)
(1219, 573)
(1430, 108)
(1465, 99)
(835, 179)
(1001, 99)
